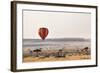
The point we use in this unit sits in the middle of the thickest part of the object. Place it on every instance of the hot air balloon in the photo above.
(43, 32)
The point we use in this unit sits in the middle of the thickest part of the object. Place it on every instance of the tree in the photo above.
(37, 51)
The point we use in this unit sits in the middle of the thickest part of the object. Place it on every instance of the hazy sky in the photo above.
(59, 24)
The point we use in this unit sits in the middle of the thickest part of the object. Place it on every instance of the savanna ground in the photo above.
(39, 59)
(82, 55)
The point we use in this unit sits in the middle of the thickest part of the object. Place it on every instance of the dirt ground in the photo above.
(67, 57)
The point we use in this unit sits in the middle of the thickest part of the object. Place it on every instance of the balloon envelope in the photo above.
(43, 32)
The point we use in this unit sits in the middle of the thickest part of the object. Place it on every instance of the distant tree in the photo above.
(85, 50)
(37, 51)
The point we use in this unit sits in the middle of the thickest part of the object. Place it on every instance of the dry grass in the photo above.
(43, 59)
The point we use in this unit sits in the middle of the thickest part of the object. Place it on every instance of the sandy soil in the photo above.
(43, 59)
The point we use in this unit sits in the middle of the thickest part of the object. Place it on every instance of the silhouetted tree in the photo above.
(37, 51)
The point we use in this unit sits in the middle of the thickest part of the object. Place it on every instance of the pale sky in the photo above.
(59, 24)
